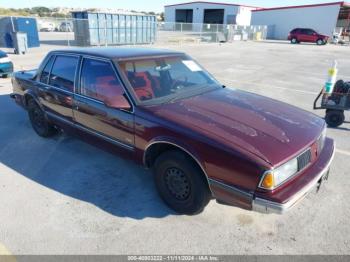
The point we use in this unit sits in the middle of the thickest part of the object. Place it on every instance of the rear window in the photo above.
(63, 72)
(294, 31)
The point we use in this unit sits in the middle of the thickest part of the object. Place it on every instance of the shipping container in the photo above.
(9, 25)
(94, 29)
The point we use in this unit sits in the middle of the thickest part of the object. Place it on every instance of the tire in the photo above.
(294, 41)
(4, 76)
(334, 118)
(320, 42)
(39, 121)
(180, 183)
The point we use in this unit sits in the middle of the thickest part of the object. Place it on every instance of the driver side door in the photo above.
(100, 85)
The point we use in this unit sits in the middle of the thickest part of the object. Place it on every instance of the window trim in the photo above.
(75, 73)
(77, 90)
(43, 67)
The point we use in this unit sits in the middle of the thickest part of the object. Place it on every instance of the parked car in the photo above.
(6, 66)
(65, 27)
(47, 27)
(298, 35)
(201, 139)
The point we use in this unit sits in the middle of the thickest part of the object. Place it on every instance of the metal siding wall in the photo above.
(320, 18)
(93, 29)
(115, 29)
(198, 11)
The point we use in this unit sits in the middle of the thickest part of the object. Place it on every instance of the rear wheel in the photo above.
(4, 76)
(334, 118)
(294, 40)
(181, 183)
(38, 120)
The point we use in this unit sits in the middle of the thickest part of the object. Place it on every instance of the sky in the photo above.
(144, 5)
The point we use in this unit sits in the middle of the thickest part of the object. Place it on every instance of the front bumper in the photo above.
(320, 168)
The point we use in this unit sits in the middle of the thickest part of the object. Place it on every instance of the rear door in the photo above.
(57, 81)
(308, 35)
(302, 36)
(98, 82)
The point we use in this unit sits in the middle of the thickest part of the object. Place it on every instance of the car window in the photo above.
(99, 81)
(158, 79)
(310, 31)
(46, 71)
(63, 72)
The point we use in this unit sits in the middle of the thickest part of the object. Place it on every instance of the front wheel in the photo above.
(334, 118)
(320, 42)
(38, 120)
(181, 183)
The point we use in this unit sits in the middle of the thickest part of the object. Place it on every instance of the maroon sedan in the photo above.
(201, 139)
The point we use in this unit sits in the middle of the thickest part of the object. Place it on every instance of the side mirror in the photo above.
(118, 102)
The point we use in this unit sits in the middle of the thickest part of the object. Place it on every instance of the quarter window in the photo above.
(99, 81)
(46, 71)
(63, 72)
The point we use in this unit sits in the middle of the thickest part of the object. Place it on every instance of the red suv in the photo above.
(298, 35)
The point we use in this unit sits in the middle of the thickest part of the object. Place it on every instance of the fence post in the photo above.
(181, 27)
(217, 32)
(106, 32)
(67, 31)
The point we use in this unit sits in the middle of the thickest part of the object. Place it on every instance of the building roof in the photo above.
(301, 6)
(210, 3)
(118, 52)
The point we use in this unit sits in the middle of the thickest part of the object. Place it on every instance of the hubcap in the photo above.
(177, 183)
(335, 119)
(38, 119)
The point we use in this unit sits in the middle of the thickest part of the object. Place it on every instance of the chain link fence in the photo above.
(208, 33)
(131, 30)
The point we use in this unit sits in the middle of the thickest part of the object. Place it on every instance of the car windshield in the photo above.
(163, 79)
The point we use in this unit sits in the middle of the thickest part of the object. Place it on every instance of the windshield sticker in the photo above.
(191, 65)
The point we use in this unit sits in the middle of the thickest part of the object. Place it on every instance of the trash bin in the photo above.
(20, 42)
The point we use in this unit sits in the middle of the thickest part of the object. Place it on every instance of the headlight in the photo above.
(276, 177)
(321, 140)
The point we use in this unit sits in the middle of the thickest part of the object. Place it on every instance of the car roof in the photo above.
(119, 52)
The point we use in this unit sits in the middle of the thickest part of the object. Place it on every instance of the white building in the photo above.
(208, 13)
(323, 18)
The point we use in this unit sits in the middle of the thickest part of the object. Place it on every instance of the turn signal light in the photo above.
(269, 181)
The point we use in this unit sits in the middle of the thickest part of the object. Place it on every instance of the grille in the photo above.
(304, 159)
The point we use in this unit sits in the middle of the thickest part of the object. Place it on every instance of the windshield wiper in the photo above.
(189, 93)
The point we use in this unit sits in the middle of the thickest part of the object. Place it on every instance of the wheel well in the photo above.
(27, 98)
(157, 149)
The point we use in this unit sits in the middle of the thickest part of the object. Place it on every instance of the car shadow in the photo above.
(77, 169)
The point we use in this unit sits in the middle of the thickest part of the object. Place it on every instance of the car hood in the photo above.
(270, 129)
